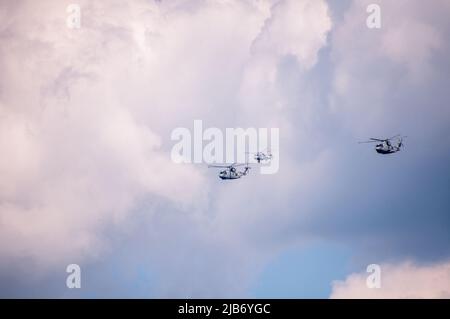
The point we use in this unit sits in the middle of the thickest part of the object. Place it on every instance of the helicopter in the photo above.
(262, 156)
(386, 146)
(230, 171)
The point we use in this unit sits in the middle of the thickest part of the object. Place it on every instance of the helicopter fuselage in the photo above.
(386, 146)
(229, 174)
(262, 157)
(232, 173)
(386, 149)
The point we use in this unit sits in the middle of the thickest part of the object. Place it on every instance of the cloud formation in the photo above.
(86, 116)
(76, 156)
(405, 280)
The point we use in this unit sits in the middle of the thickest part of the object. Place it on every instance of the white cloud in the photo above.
(76, 156)
(297, 28)
(85, 115)
(405, 280)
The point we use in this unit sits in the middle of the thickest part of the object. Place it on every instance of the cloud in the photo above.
(76, 157)
(405, 280)
(86, 116)
(297, 28)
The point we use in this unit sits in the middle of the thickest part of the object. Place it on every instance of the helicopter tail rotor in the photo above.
(400, 141)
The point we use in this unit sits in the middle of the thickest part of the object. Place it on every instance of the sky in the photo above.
(86, 175)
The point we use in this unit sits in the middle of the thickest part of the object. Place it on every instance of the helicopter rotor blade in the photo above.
(269, 150)
(398, 135)
(216, 166)
(227, 166)
(219, 166)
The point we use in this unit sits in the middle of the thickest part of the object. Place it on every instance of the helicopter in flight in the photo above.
(230, 171)
(262, 156)
(386, 146)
